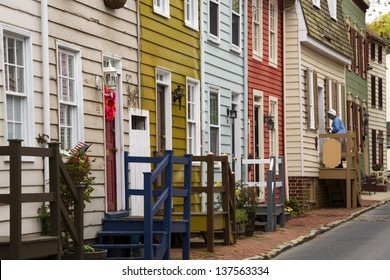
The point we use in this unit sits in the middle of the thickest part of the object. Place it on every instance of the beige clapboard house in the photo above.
(316, 53)
(52, 58)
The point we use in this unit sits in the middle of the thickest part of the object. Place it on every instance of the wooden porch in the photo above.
(340, 161)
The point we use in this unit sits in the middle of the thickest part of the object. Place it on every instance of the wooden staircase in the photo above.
(271, 213)
(149, 237)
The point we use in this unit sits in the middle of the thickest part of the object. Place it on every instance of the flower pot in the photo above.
(115, 4)
(98, 254)
(240, 230)
(250, 226)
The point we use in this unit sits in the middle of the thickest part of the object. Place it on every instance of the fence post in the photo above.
(54, 185)
(15, 157)
(187, 206)
(225, 198)
(210, 202)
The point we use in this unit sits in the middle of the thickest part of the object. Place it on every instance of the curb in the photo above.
(304, 238)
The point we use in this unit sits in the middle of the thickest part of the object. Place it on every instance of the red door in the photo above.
(110, 165)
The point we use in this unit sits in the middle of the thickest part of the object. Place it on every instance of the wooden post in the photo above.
(210, 202)
(15, 199)
(225, 198)
(168, 180)
(187, 206)
(54, 185)
(349, 165)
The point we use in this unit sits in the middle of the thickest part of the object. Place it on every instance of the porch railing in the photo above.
(58, 211)
(164, 197)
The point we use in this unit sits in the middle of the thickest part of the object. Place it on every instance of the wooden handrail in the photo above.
(15, 199)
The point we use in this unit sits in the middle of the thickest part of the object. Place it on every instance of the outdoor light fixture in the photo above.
(110, 75)
(270, 122)
(365, 122)
(232, 113)
(177, 94)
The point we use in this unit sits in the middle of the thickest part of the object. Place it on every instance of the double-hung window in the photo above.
(236, 19)
(69, 95)
(191, 13)
(214, 121)
(273, 29)
(161, 7)
(193, 117)
(214, 19)
(18, 87)
(257, 30)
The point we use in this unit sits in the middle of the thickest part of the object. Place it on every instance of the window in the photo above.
(214, 18)
(161, 7)
(317, 3)
(19, 108)
(257, 30)
(69, 95)
(193, 117)
(332, 4)
(380, 94)
(379, 54)
(372, 51)
(373, 135)
(373, 93)
(273, 28)
(236, 22)
(191, 13)
(214, 122)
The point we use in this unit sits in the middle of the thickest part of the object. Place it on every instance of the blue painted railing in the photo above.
(164, 197)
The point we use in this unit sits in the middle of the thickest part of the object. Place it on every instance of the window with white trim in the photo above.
(332, 4)
(214, 18)
(69, 95)
(257, 30)
(273, 31)
(161, 7)
(193, 117)
(19, 108)
(214, 121)
(236, 20)
(191, 13)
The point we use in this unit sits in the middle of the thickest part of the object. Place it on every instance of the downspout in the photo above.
(139, 53)
(202, 96)
(246, 91)
(45, 84)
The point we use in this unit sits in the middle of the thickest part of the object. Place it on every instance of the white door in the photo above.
(139, 146)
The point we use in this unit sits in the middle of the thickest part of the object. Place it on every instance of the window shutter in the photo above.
(343, 105)
(354, 117)
(349, 115)
(360, 53)
(327, 105)
(373, 103)
(361, 128)
(373, 147)
(353, 48)
(315, 101)
(308, 101)
(380, 94)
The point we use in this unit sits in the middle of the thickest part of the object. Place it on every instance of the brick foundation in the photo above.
(308, 191)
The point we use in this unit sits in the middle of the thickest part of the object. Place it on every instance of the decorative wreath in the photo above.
(109, 104)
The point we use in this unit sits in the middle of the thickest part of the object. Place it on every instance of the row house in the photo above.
(357, 75)
(265, 82)
(316, 54)
(53, 58)
(376, 128)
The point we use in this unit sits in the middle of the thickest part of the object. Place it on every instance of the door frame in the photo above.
(257, 94)
(116, 62)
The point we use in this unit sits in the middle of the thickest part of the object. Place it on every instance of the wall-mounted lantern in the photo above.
(232, 113)
(270, 122)
(365, 123)
(110, 79)
(177, 94)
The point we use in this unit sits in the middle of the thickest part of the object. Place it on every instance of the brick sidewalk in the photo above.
(263, 242)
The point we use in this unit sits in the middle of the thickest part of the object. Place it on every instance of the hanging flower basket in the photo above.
(115, 4)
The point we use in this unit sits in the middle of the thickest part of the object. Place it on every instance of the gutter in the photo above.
(202, 96)
(246, 90)
(45, 83)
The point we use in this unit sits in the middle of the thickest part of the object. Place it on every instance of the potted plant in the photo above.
(79, 166)
(241, 221)
(246, 200)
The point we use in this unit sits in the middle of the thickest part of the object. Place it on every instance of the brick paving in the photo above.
(262, 243)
